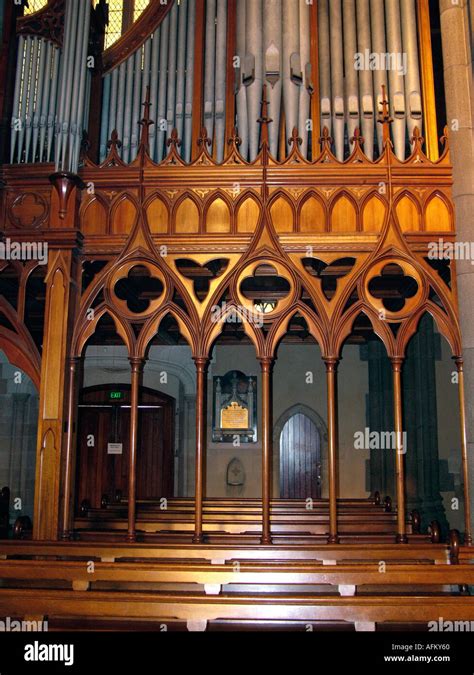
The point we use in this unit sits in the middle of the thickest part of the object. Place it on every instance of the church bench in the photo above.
(198, 609)
(326, 552)
(345, 575)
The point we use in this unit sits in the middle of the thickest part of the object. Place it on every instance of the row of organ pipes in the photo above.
(273, 47)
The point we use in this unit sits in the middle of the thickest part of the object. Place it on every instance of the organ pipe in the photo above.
(253, 71)
(241, 90)
(352, 78)
(210, 67)
(396, 80)
(272, 46)
(412, 77)
(220, 92)
(189, 86)
(292, 74)
(324, 65)
(181, 68)
(337, 76)
(366, 95)
(377, 14)
(305, 100)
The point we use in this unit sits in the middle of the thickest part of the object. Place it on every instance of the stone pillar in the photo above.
(458, 77)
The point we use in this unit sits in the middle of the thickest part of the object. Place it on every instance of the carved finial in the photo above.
(384, 116)
(357, 138)
(114, 143)
(204, 139)
(235, 139)
(295, 139)
(145, 123)
(417, 141)
(264, 120)
(445, 137)
(174, 141)
(325, 140)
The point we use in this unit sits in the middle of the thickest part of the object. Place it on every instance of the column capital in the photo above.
(137, 362)
(266, 362)
(459, 361)
(201, 362)
(331, 362)
(397, 362)
(64, 183)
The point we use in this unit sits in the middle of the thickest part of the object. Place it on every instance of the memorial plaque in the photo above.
(235, 408)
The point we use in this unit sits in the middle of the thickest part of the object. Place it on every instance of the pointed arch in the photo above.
(344, 329)
(152, 326)
(282, 212)
(186, 215)
(217, 326)
(280, 328)
(407, 212)
(438, 214)
(86, 328)
(344, 213)
(312, 214)
(218, 214)
(248, 213)
(123, 214)
(93, 215)
(374, 209)
(447, 327)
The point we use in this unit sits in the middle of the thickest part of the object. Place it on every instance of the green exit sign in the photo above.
(116, 395)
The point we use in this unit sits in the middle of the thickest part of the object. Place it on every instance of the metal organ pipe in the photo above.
(241, 89)
(104, 124)
(377, 13)
(220, 78)
(352, 78)
(306, 84)
(210, 67)
(337, 76)
(272, 48)
(137, 96)
(181, 68)
(397, 85)
(84, 77)
(253, 71)
(155, 65)
(171, 95)
(412, 77)
(40, 91)
(324, 65)
(162, 88)
(188, 108)
(365, 77)
(127, 117)
(291, 67)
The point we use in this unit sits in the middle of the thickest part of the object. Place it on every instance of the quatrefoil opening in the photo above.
(265, 288)
(138, 289)
(394, 289)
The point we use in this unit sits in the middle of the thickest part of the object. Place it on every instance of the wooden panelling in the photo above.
(437, 216)
(158, 216)
(312, 216)
(187, 217)
(408, 215)
(123, 216)
(282, 215)
(248, 216)
(94, 218)
(373, 215)
(217, 217)
(344, 216)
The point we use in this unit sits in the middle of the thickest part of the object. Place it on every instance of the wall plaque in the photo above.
(235, 408)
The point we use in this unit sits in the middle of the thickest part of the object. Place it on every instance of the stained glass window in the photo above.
(35, 6)
(121, 12)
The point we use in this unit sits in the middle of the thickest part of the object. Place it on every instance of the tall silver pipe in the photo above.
(71, 92)
(241, 90)
(291, 66)
(377, 13)
(16, 120)
(412, 77)
(127, 117)
(52, 117)
(43, 119)
(337, 76)
(181, 67)
(305, 100)
(24, 97)
(40, 92)
(210, 67)
(31, 97)
(137, 95)
(324, 65)
(122, 76)
(161, 122)
(253, 71)
(113, 102)
(83, 87)
(273, 49)
(106, 105)
(352, 78)
(365, 77)
(220, 90)
(189, 89)
(171, 96)
(396, 79)
(65, 73)
(155, 69)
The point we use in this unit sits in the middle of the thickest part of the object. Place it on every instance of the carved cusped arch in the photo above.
(151, 327)
(85, 329)
(449, 328)
(344, 328)
(280, 328)
(214, 328)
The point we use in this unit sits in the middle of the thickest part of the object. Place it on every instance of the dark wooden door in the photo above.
(300, 459)
(103, 420)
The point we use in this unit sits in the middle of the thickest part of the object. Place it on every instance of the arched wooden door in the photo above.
(300, 458)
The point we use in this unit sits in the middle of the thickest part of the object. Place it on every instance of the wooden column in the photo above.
(427, 80)
(61, 299)
(465, 465)
(331, 379)
(75, 364)
(397, 363)
(266, 365)
(137, 365)
(201, 424)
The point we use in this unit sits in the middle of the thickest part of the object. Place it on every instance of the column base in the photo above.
(266, 541)
(333, 539)
(66, 535)
(131, 537)
(198, 539)
(402, 539)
